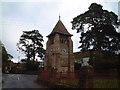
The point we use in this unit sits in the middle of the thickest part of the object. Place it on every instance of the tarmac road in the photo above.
(19, 81)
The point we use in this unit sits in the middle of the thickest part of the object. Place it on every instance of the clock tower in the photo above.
(59, 49)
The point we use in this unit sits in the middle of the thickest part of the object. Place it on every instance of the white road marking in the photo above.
(18, 78)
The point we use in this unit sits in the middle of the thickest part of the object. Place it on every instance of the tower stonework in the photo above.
(59, 49)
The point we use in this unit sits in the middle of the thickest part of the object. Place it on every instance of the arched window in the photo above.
(63, 41)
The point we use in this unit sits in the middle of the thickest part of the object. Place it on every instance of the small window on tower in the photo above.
(61, 41)
(51, 40)
(65, 41)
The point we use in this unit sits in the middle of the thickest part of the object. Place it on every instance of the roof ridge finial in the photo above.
(59, 16)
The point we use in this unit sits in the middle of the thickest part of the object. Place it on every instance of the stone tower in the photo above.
(59, 49)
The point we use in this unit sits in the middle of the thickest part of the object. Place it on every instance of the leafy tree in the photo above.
(31, 44)
(4, 54)
(98, 29)
(98, 34)
(23, 60)
(6, 57)
(103, 61)
(10, 56)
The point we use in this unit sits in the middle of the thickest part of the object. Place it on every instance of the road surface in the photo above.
(19, 81)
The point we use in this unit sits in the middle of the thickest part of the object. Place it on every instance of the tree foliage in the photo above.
(31, 44)
(4, 54)
(103, 61)
(98, 29)
(6, 57)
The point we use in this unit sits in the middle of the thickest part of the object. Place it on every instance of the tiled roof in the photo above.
(60, 28)
(82, 54)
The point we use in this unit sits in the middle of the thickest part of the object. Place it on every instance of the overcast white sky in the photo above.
(24, 15)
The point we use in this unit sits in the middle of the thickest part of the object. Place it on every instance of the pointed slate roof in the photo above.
(59, 28)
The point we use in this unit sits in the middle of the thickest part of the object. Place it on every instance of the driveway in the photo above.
(19, 81)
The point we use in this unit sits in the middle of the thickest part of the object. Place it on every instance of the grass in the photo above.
(106, 83)
(98, 83)
(73, 82)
